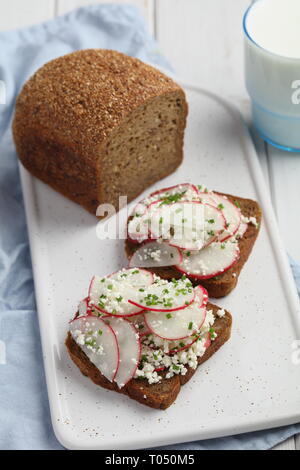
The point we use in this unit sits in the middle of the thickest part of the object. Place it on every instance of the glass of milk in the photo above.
(272, 68)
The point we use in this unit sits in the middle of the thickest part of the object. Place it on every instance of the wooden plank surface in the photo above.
(297, 441)
(284, 168)
(203, 40)
(289, 444)
(19, 13)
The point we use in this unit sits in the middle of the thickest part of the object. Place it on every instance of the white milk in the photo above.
(272, 67)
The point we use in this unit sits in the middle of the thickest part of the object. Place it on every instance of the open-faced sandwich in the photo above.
(187, 229)
(144, 336)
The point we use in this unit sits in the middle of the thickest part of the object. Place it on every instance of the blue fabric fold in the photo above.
(24, 417)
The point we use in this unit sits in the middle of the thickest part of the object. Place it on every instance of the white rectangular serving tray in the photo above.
(250, 384)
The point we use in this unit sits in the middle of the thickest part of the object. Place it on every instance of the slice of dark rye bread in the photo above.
(223, 284)
(160, 395)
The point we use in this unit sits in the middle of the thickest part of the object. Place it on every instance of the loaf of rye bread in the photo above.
(97, 124)
(164, 393)
(222, 284)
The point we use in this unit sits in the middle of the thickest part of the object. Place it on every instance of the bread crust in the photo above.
(160, 395)
(68, 111)
(226, 282)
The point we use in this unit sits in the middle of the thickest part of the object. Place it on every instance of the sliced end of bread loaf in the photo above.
(160, 395)
(147, 147)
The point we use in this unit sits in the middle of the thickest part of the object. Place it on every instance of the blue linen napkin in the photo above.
(24, 417)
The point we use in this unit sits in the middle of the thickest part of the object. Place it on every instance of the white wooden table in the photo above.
(203, 41)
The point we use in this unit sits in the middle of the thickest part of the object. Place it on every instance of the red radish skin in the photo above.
(160, 310)
(208, 341)
(165, 190)
(116, 315)
(149, 274)
(74, 318)
(175, 351)
(90, 287)
(187, 346)
(205, 295)
(206, 345)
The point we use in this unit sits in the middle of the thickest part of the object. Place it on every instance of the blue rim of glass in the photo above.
(254, 42)
(275, 144)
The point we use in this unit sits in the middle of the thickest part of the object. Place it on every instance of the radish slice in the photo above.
(164, 296)
(242, 230)
(176, 325)
(231, 213)
(155, 254)
(83, 307)
(135, 277)
(201, 296)
(111, 296)
(181, 323)
(98, 341)
(180, 345)
(181, 191)
(187, 238)
(129, 349)
(173, 346)
(138, 229)
(139, 209)
(139, 322)
(138, 226)
(207, 198)
(213, 260)
(208, 340)
(187, 225)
